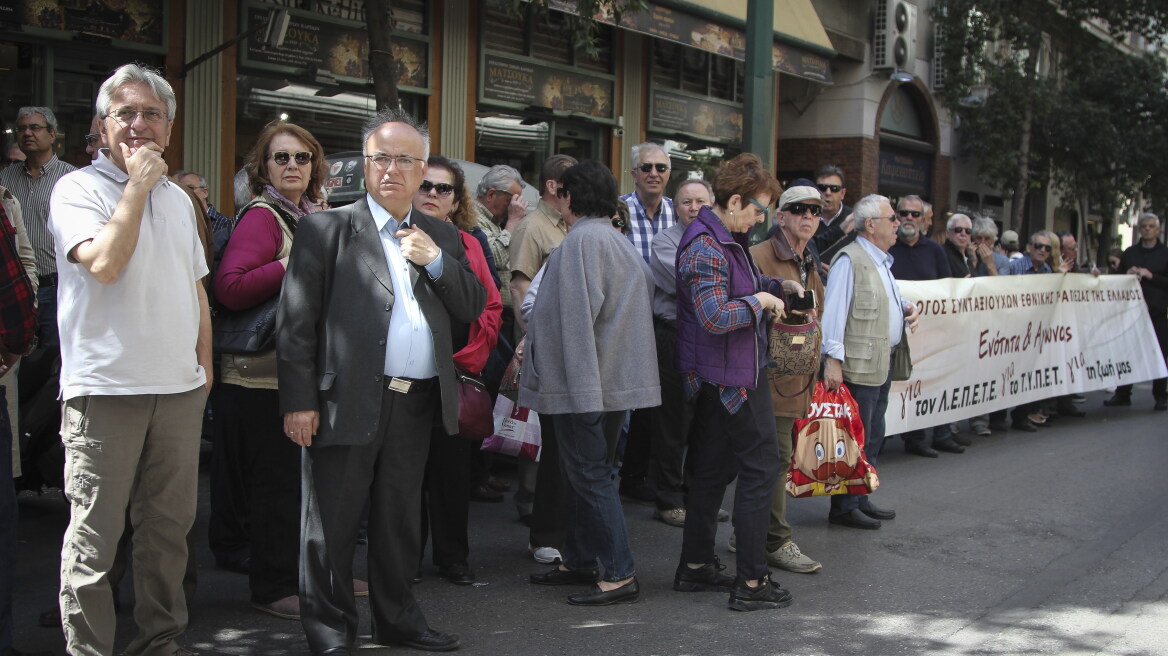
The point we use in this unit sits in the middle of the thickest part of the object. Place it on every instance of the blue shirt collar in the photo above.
(381, 216)
(877, 255)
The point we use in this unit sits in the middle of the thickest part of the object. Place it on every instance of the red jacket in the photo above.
(484, 332)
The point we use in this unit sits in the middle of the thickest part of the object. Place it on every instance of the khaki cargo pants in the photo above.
(139, 452)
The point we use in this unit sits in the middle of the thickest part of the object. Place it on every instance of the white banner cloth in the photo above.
(992, 343)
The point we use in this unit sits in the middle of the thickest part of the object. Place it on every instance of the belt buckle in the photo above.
(400, 385)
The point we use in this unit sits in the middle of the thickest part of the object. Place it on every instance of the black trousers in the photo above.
(670, 423)
(253, 432)
(446, 497)
(227, 530)
(1160, 385)
(337, 481)
(549, 514)
(638, 448)
(724, 446)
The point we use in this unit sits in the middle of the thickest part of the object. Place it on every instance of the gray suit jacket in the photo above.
(334, 317)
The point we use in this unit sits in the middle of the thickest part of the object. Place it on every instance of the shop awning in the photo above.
(796, 21)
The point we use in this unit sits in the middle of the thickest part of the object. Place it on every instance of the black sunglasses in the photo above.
(913, 213)
(281, 157)
(799, 208)
(444, 188)
(1042, 247)
(661, 168)
(960, 229)
(835, 189)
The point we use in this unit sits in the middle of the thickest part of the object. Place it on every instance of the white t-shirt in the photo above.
(137, 335)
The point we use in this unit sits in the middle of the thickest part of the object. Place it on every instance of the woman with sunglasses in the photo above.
(723, 308)
(285, 170)
(447, 484)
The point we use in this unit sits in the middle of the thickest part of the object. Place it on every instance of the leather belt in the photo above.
(409, 385)
(48, 280)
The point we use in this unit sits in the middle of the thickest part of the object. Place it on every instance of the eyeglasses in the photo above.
(661, 168)
(986, 238)
(824, 188)
(444, 189)
(798, 209)
(913, 213)
(892, 217)
(195, 187)
(281, 157)
(92, 139)
(562, 192)
(126, 115)
(31, 127)
(403, 162)
(1041, 247)
(961, 229)
(763, 208)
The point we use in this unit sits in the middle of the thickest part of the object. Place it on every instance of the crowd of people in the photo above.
(638, 323)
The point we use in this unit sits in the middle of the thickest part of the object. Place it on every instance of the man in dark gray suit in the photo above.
(361, 277)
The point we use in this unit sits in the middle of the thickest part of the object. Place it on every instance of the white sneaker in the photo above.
(789, 557)
(545, 555)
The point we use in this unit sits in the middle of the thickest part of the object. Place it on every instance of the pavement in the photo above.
(1053, 542)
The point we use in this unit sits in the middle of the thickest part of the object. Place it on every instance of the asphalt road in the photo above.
(1029, 543)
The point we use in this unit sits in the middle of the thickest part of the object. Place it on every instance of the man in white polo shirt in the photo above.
(135, 361)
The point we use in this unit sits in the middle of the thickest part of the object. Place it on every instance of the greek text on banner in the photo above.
(992, 343)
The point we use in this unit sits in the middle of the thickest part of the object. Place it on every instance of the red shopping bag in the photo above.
(828, 455)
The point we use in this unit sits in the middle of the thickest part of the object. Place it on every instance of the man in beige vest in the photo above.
(864, 316)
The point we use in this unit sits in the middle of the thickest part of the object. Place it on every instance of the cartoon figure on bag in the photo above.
(828, 457)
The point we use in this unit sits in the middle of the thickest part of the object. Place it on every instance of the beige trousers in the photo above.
(139, 452)
(779, 532)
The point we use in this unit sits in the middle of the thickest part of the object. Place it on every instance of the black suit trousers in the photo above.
(337, 481)
(446, 497)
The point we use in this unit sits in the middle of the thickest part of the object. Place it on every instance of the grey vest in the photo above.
(866, 344)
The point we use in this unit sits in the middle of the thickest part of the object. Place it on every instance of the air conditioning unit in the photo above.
(894, 42)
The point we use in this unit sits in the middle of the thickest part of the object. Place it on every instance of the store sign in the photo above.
(134, 21)
(527, 84)
(696, 32)
(313, 43)
(671, 112)
(903, 171)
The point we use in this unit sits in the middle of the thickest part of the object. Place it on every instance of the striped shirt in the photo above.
(33, 194)
(642, 228)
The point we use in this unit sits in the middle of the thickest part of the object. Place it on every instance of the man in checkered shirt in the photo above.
(650, 211)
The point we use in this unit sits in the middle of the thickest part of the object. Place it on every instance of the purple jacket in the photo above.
(733, 358)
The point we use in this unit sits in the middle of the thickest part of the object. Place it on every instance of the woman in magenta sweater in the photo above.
(285, 171)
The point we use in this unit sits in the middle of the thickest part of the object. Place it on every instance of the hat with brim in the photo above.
(801, 194)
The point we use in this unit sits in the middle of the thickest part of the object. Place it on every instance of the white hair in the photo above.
(953, 221)
(50, 118)
(499, 177)
(135, 73)
(868, 207)
(648, 146)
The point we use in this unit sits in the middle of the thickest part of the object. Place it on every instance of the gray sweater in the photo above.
(590, 343)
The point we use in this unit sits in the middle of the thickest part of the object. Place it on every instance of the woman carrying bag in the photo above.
(285, 169)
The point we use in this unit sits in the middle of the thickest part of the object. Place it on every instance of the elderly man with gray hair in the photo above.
(874, 333)
(135, 369)
(650, 210)
(501, 206)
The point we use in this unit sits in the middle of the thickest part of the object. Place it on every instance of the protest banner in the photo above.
(992, 343)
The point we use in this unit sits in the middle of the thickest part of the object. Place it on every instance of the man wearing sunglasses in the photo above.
(1036, 259)
(920, 258)
(958, 248)
(650, 210)
(835, 224)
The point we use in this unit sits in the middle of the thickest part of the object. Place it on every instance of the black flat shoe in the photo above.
(458, 574)
(629, 593)
(920, 450)
(1024, 426)
(1117, 400)
(432, 640)
(878, 513)
(766, 596)
(948, 446)
(963, 440)
(854, 519)
(558, 576)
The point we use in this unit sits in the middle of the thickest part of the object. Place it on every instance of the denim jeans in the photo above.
(596, 529)
(873, 401)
